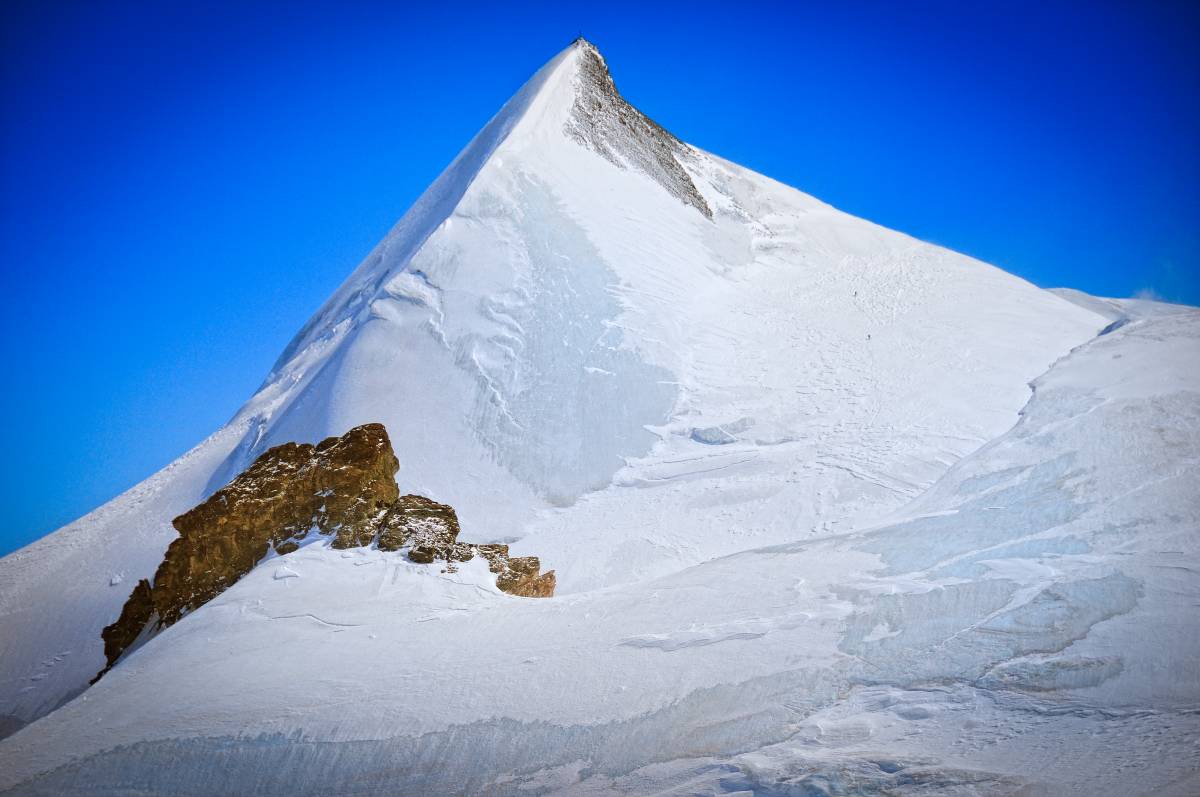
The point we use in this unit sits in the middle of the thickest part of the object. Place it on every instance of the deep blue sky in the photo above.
(182, 184)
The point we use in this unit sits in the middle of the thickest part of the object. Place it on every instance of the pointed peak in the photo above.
(573, 94)
(606, 123)
(584, 44)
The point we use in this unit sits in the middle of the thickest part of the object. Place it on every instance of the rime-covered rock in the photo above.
(420, 524)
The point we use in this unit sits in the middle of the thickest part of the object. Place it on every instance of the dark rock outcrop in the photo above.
(519, 575)
(428, 528)
(344, 488)
(136, 616)
(604, 122)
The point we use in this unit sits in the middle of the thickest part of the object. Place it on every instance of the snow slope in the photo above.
(1028, 624)
(624, 354)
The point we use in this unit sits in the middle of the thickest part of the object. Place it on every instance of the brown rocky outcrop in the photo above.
(343, 487)
(517, 575)
(427, 528)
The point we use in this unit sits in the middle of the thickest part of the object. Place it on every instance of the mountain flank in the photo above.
(343, 488)
(604, 122)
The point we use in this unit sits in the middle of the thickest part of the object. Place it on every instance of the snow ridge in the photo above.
(709, 424)
(433, 207)
(603, 121)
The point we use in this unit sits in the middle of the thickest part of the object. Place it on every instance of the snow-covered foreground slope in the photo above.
(625, 354)
(1026, 626)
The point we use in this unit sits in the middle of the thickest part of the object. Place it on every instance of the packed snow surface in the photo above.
(812, 530)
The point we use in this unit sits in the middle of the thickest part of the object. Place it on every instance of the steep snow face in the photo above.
(1026, 626)
(609, 322)
(604, 122)
(616, 351)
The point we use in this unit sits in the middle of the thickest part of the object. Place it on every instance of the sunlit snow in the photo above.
(830, 508)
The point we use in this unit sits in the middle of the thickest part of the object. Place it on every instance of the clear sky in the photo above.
(182, 184)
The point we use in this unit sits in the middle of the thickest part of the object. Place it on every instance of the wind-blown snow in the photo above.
(771, 455)
(1026, 622)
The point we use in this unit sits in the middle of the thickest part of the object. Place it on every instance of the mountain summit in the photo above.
(604, 122)
(786, 465)
(573, 95)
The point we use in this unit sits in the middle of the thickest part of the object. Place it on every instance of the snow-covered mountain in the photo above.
(810, 528)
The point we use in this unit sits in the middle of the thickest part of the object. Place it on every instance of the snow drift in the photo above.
(768, 448)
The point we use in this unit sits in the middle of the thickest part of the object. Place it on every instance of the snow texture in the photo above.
(813, 532)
